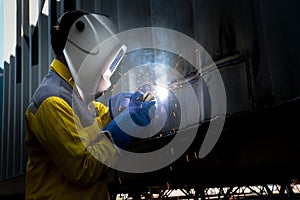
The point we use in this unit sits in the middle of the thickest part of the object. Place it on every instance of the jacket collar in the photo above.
(62, 70)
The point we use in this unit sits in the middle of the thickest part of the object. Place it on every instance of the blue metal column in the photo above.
(10, 119)
(26, 84)
(43, 43)
(5, 120)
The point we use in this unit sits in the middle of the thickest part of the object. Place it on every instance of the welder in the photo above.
(67, 129)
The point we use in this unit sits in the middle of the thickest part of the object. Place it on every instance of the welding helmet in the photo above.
(92, 52)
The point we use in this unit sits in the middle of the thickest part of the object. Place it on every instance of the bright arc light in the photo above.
(161, 93)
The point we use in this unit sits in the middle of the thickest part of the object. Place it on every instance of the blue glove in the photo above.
(120, 137)
(130, 121)
(118, 103)
(140, 110)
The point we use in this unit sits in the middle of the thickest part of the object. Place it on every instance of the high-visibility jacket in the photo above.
(60, 163)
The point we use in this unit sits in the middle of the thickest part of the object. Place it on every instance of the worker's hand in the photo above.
(140, 110)
(118, 103)
(126, 127)
(139, 103)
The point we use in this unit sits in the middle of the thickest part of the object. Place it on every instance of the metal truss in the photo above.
(269, 191)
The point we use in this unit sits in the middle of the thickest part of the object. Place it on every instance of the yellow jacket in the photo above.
(60, 165)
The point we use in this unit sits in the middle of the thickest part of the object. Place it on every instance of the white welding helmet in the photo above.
(93, 52)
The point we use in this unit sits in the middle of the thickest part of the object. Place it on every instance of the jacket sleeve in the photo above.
(104, 116)
(70, 146)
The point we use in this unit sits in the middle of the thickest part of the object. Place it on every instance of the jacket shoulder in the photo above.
(52, 85)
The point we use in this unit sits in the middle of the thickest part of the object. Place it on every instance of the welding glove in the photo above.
(140, 110)
(118, 103)
(130, 121)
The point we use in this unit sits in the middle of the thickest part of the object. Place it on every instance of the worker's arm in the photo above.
(103, 114)
(70, 146)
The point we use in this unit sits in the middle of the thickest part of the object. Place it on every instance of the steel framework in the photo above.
(268, 191)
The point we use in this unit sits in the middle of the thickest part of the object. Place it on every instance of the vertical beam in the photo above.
(5, 121)
(200, 91)
(26, 84)
(18, 54)
(16, 138)
(30, 75)
(61, 8)
(16, 112)
(78, 4)
(53, 12)
(10, 119)
(40, 64)
(2, 122)
(48, 29)
(97, 6)
(43, 56)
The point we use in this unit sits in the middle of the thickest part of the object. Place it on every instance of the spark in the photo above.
(174, 114)
(195, 154)
(172, 151)
(161, 93)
